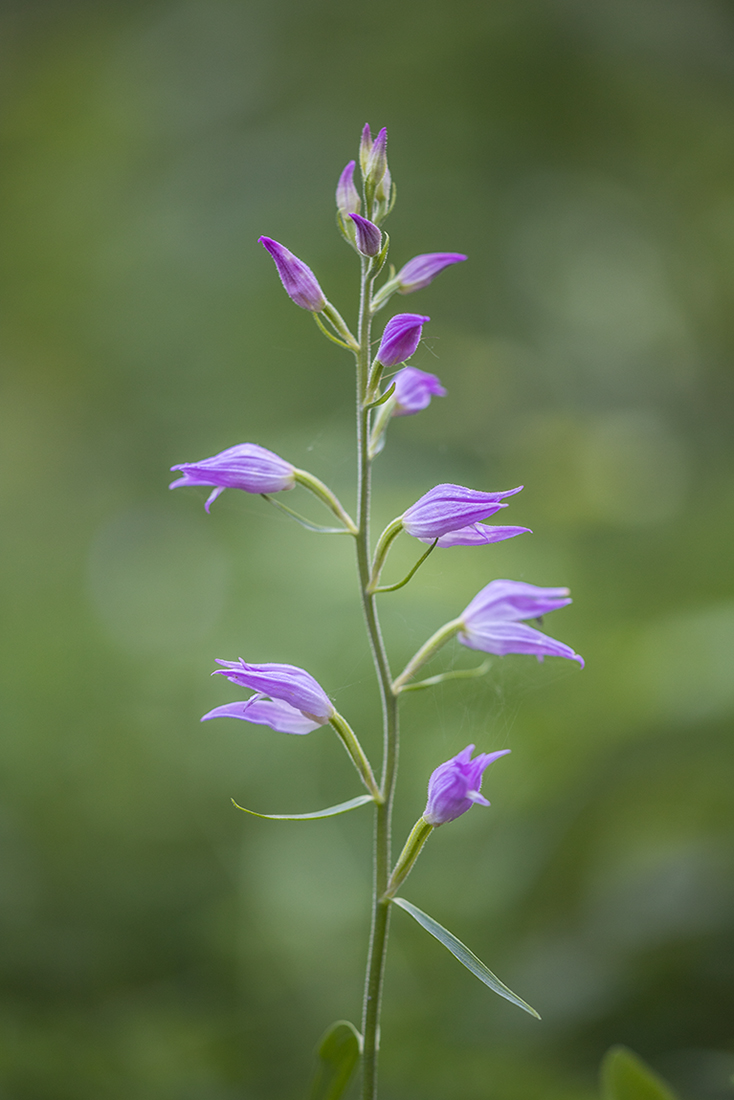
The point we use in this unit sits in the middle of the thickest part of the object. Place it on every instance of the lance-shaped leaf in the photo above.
(461, 952)
(338, 1053)
(331, 811)
(624, 1076)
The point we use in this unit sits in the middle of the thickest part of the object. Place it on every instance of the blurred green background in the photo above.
(157, 944)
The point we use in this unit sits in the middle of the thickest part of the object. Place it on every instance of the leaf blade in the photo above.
(330, 811)
(338, 1053)
(625, 1076)
(464, 955)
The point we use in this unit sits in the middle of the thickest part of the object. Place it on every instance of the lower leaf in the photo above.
(338, 1053)
(624, 1076)
(461, 952)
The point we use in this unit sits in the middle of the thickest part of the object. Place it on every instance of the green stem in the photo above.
(426, 651)
(383, 810)
(349, 739)
(419, 834)
(409, 575)
(385, 541)
(325, 495)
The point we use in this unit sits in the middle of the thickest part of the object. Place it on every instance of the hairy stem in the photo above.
(383, 810)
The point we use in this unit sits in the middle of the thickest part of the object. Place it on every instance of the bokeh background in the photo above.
(157, 944)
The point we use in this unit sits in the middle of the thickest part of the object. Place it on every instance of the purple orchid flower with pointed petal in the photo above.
(275, 713)
(301, 285)
(347, 196)
(492, 623)
(369, 237)
(245, 466)
(414, 389)
(400, 339)
(450, 507)
(478, 534)
(454, 787)
(422, 270)
(288, 683)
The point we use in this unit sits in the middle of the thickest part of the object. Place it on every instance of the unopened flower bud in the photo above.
(377, 160)
(422, 270)
(365, 148)
(368, 236)
(400, 339)
(414, 389)
(347, 196)
(301, 285)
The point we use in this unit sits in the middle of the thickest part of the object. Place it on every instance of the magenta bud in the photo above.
(377, 160)
(347, 196)
(369, 237)
(365, 148)
(400, 339)
(422, 270)
(299, 281)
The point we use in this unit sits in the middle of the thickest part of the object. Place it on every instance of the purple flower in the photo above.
(492, 623)
(422, 270)
(266, 712)
(347, 196)
(450, 507)
(246, 466)
(400, 339)
(414, 389)
(454, 786)
(282, 682)
(478, 534)
(299, 281)
(369, 237)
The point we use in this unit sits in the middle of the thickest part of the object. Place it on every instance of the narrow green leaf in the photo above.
(302, 519)
(624, 1076)
(461, 952)
(456, 674)
(382, 399)
(338, 1054)
(342, 808)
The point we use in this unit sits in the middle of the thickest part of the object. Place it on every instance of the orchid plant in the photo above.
(289, 699)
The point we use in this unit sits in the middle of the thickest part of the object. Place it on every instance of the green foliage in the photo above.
(461, 952)
(624, 1076)
(338, 1054)
(331, 811)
